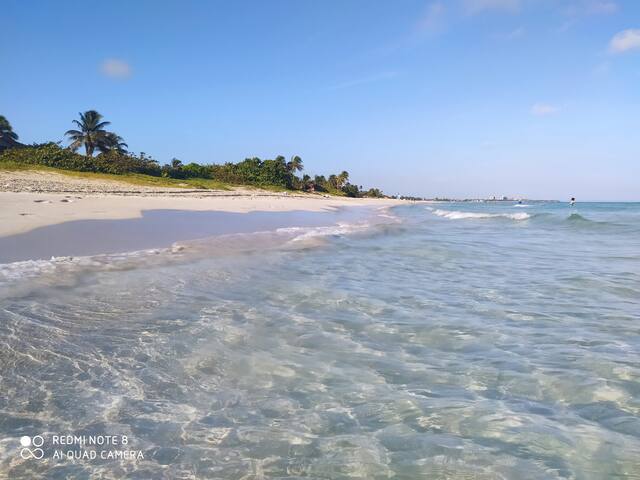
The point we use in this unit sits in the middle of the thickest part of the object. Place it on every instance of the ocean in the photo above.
(441, 341)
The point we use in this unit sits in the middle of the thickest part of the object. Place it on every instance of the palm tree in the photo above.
(307, 182)
(333, 181)
(295, 165)
(6, 131)
(342, 179)
(91, 134)
(112, 142)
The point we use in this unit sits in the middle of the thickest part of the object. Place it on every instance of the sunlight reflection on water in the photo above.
(437, 347)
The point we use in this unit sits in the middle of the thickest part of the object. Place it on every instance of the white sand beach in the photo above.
(31, 199)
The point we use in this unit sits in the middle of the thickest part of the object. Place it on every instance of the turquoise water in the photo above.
(436, 341)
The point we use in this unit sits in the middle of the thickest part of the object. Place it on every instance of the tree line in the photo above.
(106, 152)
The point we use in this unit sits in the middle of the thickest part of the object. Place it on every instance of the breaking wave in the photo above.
(67, 268)
(458, 215)
(542, 219)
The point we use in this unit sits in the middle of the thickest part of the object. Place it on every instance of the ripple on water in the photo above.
(475, 347)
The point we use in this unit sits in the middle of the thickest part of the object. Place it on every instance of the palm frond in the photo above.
(75, 145)
(101, 125)
(92, 134)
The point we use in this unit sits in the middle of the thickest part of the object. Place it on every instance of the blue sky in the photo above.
(451, 98)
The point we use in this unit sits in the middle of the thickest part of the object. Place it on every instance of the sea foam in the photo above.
(459, 215)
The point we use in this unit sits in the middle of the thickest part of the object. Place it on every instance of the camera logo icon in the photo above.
(27, 452)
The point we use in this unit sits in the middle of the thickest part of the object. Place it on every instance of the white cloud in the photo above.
(473, 7)
(114, 68)
(625, 40)
(543, 109)
(433, 18)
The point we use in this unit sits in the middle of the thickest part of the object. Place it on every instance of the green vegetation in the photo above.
(113, 159)
(132, 178)
(8, 138)
(5, 129)
(93, 135)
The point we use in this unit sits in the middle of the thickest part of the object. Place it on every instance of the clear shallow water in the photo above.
(155, 229)
(453, 341)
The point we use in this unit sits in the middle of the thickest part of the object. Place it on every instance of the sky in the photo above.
(457, 98)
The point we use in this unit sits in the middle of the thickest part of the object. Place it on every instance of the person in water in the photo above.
(573, 201)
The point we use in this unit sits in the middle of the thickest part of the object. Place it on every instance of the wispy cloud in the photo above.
(474, 7)
(115, 68)
(601, 7)
(511, 35)
(543, 109)
(591, 7)
(433, 19)
(584, 8)
(602, 69)
(378, 77)
(625, 41)
(566, 26)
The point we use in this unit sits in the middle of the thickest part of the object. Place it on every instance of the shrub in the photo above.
(351, 190)
(274, 172)
(121, 163)
(52, 155)
(253, 171)
(250, 171)
(374, 193)
(49, 155)
(195, 170)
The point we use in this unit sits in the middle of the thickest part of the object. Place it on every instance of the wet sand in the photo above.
(156, 229)
(45, 214)
(21, 212)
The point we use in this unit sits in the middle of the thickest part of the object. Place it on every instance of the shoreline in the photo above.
(158, 230)
(23, 211)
